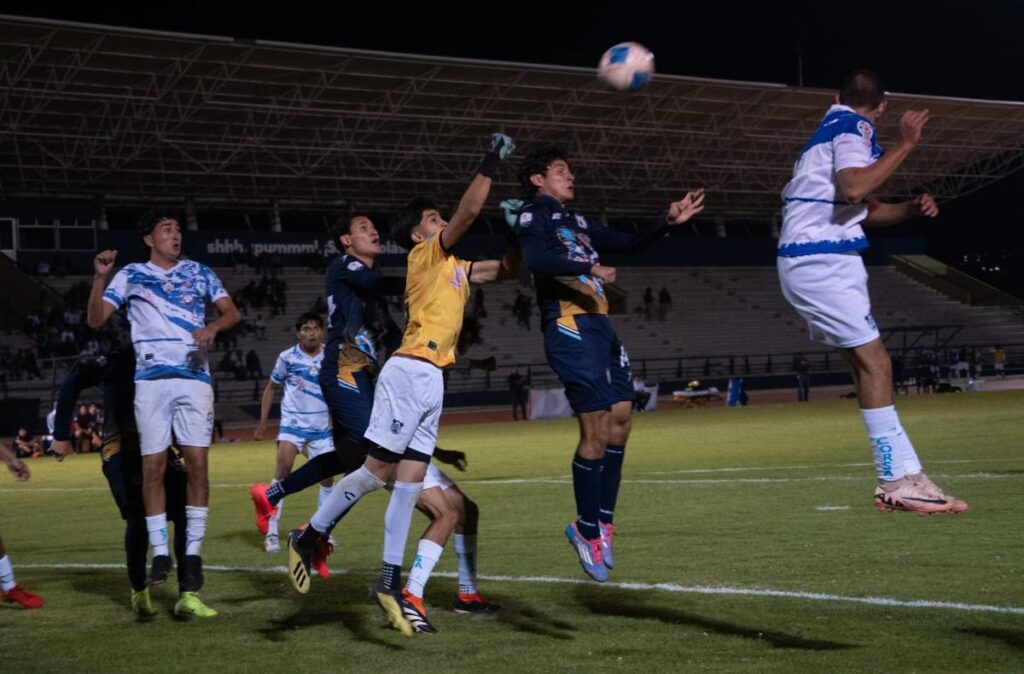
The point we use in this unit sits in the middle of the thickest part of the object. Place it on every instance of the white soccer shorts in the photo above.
(830, 292)
(184, 406)
(311, 448)
(407, 405)
(435, 477)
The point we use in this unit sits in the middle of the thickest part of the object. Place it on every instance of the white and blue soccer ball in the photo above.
(627, 66)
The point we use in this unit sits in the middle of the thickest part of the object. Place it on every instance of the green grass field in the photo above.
(716, 505)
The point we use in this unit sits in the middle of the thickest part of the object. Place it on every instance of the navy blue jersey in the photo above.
(560, 246)
(360, 330)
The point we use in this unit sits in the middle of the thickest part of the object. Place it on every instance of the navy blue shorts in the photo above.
(592, 363)
(350, 406)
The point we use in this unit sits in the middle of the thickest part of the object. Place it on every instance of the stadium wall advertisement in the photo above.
(312, 249)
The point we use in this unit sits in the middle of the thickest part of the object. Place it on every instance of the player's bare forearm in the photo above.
(266, 402)
(229, 315)
(470, 205)
(885, 215)
(98, 311)
(858, 183)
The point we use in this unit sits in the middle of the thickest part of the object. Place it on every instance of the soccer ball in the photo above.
(627, 66)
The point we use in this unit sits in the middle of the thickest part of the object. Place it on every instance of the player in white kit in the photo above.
(166, 300)
(823, 276)
(305, 420)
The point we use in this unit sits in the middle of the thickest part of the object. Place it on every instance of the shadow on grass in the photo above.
(340, 601)
(627, 604)
(108, 584)
(1012, 638)
(522, 617)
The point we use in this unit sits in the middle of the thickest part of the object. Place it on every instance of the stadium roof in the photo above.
(139, 116)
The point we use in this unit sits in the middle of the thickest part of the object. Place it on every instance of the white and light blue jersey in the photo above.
(165, 306)
(815, 219)
(303, 409)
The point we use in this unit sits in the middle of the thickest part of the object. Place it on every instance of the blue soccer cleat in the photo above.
(589, 553)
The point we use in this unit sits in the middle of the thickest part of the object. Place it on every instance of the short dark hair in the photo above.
(536, 162)
(343, 225)
(308, 317)
(148, 221)
(408, 219)
(862, 89)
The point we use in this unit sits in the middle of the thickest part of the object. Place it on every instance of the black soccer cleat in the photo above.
(160, 568)
(298, 562)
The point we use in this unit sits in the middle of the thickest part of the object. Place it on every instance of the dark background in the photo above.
(943, 48)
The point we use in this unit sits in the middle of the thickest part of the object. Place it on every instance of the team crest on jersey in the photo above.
(865, 129)
(457, 278)
(396, 426)
(871, 322)
(525, 219)
(355, 265)
(168, 286)
(581, 221)
(556, 216)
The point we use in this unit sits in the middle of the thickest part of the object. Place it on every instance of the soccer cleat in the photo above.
(607, 539)
(142, 604)
(392, 607)
(321, 551)
(19, 595)
(589, 553)
(160, 568)
(191, 606)
(271, 543)
(916, 494)
(473, 603)
(412, 609)
(298, 563)
(264, 511)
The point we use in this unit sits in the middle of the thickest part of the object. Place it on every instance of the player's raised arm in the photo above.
(98, 310)
(473, 199)
(856, 183)
(884, 215)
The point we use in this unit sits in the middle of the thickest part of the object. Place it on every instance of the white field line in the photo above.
(566, 479)
(661, 587)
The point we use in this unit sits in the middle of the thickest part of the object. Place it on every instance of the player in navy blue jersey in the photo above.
(560, 247)
(122, 467)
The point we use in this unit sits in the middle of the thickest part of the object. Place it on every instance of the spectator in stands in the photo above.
(899, 374)
(25, 445)
(252, 365)
(648, 303)
(802, 366)
(518, 388)
(29, 364)
(961, 368)
(664, 303)
(522, 308)
(641, 396)
(261, 328)
(999, 360)
(82, 430)
(319, 306)
(227, 363)
(479, 310)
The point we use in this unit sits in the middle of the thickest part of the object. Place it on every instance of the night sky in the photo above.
(946, 48)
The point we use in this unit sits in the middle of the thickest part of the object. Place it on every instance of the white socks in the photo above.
(894, 455)
(343, 496)
(322, 498)
(465, 550)
(195, 528)
(276, 517)
(398, 518)
(427, 555)
(7, 582)
(156, 525)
